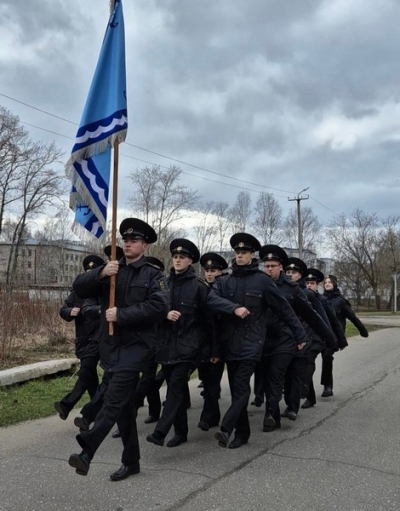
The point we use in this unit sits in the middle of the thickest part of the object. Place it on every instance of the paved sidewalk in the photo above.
(343, 454)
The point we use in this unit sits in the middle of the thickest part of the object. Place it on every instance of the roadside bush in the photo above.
(31, 324)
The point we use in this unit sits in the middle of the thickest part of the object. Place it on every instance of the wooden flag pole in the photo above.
(114, 230)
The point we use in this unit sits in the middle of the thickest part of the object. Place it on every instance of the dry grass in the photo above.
(32, 330)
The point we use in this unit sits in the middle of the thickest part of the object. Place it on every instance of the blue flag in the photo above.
(104, 120)
(89, 194)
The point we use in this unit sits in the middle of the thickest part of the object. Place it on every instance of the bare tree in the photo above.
(41, 187)
(358, 241)
(222, 223)
(240, 212)
(310, 225)
(268, 219)
(161, 200)
(14, 153)
(206, 230)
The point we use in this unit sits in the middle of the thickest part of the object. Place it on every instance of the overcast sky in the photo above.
(288, 94)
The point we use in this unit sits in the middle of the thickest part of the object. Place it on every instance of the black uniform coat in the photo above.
(344, 311)
(191, 338)
(87, 324)
(333, 321)
(142, 301)
(247, 286)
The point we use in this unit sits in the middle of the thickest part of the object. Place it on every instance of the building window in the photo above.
(30, 253)
(29, 264)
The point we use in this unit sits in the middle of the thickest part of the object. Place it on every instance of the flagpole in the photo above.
(114, 229)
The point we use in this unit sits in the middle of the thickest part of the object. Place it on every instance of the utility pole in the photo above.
(394, 275)
(298, 199)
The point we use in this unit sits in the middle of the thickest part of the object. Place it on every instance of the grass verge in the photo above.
(34, 399)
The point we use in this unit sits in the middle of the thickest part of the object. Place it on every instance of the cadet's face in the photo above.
(243, 257)
(211, 274)
(273, 269)
(328, 285)
(293, 275)
(312, 284)
(181, 262)
(134, 249)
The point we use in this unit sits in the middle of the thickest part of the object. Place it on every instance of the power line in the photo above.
(157, 164)
(161, 155)
(143, 148)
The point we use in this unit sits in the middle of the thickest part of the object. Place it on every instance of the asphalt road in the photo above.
(344, 454)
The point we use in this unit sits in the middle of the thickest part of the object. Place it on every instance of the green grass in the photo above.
(34, 399)
(351, 330)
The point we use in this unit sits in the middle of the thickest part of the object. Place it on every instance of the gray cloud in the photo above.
(287, 95)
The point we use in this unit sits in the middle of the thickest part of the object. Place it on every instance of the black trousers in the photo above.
(91, 409)
(327, 368)
(312, 356)
(236, 417)
(149, 387)
(211, 375)
(259, 381)
(295, 379)
(274, 366)
(88, 380)
(175, 407)
(118, 407)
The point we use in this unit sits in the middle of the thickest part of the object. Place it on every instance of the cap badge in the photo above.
(179, 249)
(129, 231)
(241, 244)
(310, 275)
(91, 264)
(270, 256)
(292, 265)
(209, 262)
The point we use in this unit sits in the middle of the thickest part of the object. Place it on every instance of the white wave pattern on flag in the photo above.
(101, 130)
(92, 178)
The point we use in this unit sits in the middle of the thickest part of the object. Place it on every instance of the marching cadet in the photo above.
(141, 302)
(92, 408)
(150, 382)
(312, 279)
(243, 297)
(210, 372)
(86, 314)
(282, 352)
(317, 329)
(343, 311)
(187, 330)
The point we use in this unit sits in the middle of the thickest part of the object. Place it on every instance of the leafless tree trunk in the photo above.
(310, 225)
(40, 187)
(222, 223)
(358, 241)
(268, 219)
(206, 230)
(14, 153)
(161, 200)
(240, 212)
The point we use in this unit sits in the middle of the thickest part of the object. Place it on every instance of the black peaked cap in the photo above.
(294, 263)
(185, 247)
(213, 260)
(119, 252)
(92, 261)
(155, 262)
(314, 274)
(245, 241)
(273, 253)
(137, 229)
